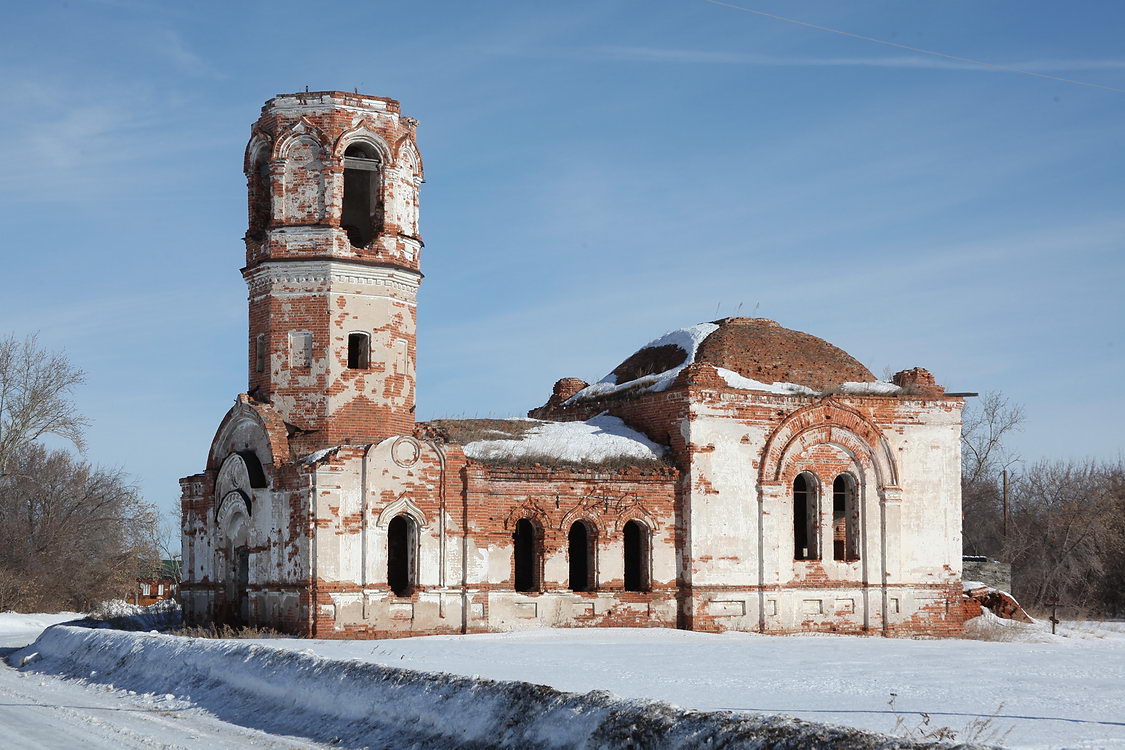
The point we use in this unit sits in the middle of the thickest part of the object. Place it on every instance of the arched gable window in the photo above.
(359, 351)
(580, 546)
(638, 548)
(805, 519)
(362, 215)
(402, 564)
(527, 556)
(845, 519)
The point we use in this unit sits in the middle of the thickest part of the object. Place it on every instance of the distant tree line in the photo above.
(71, 534)
(1064, 530)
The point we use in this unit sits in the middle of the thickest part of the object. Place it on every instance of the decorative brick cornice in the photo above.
(316, 276)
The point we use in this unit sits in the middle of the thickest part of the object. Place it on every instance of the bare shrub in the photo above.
(228, 632)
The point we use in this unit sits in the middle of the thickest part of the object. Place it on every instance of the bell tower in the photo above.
(332, 265)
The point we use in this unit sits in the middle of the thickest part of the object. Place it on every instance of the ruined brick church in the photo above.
(731, 475)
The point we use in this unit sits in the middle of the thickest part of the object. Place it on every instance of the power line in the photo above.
(919, 50)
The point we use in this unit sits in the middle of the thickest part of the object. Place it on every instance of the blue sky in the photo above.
(597, 173)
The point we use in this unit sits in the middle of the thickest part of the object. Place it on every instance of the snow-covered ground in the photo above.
(1041, 691)
(41, 711)
(1066, 691)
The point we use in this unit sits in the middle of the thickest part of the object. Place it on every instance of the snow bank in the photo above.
(18, 622)
(351, 703)
(687, 339)
(120, 614)
(989, 627)
(599, 439)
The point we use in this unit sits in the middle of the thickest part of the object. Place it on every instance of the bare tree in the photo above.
(35, 398)
(71, 535)
(1067, 535)
(986, 425)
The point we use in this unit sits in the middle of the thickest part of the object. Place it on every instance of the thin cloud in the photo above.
(712, 57)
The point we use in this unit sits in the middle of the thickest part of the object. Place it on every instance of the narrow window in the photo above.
(636, 556)
(581, 551)
(402, 539)
(359, 351)
(260, 353)
(845, 519)
(300, 349)
(361, 217)
(804, 520)
(526, 556)
(260, 198)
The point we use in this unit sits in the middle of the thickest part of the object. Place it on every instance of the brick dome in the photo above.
(761, 349)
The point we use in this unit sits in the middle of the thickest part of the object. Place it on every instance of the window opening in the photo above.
(260, 198)
(361, 217)
(637, 549)
(580, 545)
(845, 519)
(804, 520)
(260, 353)
(402, 539)
(359, 351)
(527, 556)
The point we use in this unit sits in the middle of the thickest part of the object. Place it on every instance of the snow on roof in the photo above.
(734, 380)
(878, 388)
(687, 339)
(602, 438)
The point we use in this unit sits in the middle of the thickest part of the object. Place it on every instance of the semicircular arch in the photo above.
(828, 422)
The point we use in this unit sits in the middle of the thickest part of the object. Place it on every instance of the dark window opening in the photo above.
(260, 199)
(402, 538)
(636, 556)
(260, 353)
(362, 215)
(845, 519)
(527, 556)
(804, 520)
(359, 351)
(580, 546)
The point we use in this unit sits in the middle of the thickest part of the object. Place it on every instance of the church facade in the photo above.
(731, 475)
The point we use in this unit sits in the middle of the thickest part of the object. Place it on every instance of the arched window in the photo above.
(804, 519)
(845, 519)
(261, 197)
(359, 351)
(526, 540)
(402, 566)
(580, 546)
(362, 215)
(637, 552)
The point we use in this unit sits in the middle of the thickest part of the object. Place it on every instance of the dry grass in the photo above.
(614, 464)
(463, 431)
(228, 632)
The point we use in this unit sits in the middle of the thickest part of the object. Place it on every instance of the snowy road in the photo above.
(38, 711)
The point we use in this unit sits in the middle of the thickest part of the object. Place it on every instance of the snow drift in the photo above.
(357, 704)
